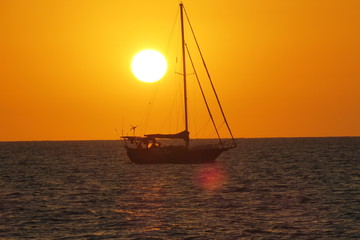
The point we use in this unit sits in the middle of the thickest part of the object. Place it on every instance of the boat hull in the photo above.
(173, 155)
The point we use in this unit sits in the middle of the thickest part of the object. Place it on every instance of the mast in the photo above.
(184, 70)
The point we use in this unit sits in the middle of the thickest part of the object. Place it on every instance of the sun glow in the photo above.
(149, 66)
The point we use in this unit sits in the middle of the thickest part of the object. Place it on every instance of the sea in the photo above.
(275, 188)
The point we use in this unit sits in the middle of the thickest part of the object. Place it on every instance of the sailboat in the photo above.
(148, 150)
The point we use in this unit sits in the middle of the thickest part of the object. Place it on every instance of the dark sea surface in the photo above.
(291, 188)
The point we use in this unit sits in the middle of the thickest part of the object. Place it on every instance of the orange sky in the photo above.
(282, 68)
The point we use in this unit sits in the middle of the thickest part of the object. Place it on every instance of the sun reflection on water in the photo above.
(211, 177)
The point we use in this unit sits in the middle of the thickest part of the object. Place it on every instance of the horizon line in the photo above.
(88, 140)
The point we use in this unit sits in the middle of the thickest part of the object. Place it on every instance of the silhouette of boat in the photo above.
(147, 149)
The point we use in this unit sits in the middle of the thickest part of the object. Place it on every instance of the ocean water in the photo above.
(295, 188)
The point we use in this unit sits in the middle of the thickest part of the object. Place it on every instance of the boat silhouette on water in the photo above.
(148, 150)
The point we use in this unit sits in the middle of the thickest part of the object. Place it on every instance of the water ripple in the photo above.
(305, 188)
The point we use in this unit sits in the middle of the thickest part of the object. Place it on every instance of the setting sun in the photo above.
(149, 66)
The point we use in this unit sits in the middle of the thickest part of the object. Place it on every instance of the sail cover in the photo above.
(181, 135)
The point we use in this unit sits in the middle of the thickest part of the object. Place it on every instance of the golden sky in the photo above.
(281, 68)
